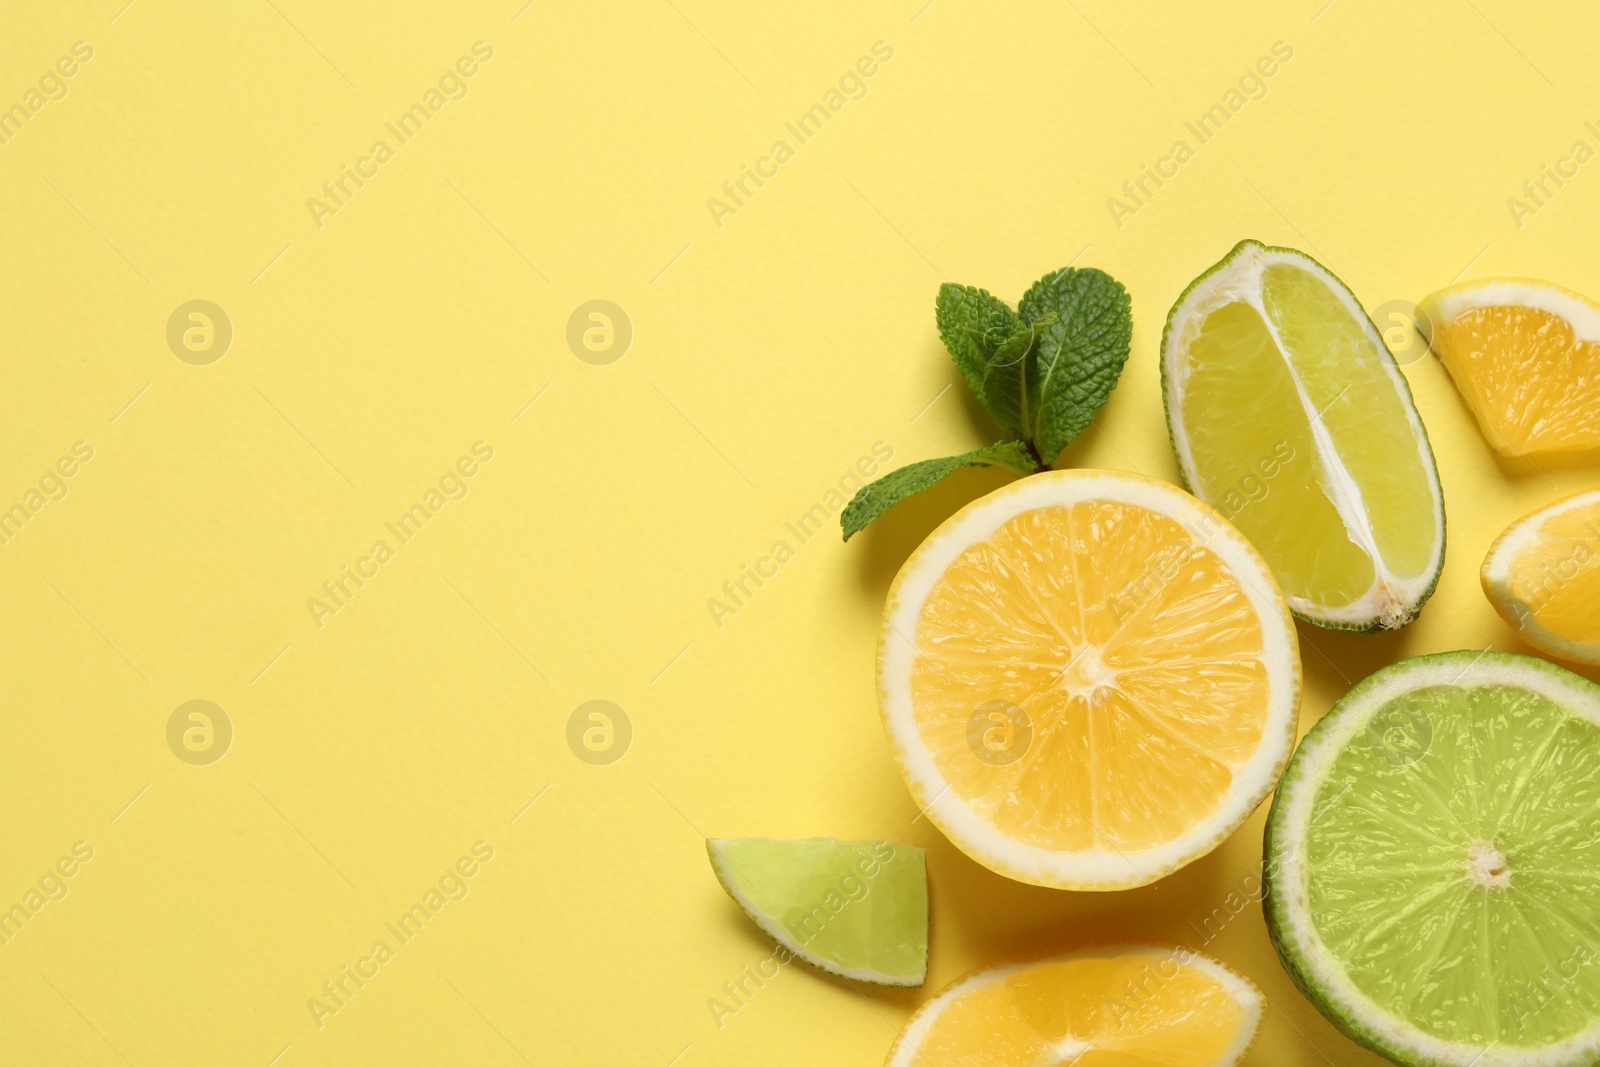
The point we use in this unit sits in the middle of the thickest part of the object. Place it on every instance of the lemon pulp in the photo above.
(1526, 357)
(1543, 577)
(1134, 654)
(1119, 1008)
(1558, 576)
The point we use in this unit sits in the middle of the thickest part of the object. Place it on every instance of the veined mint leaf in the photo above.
(1078, 358)
(1008, 372)
(973, 325)
(874, 499)
(1005, 377)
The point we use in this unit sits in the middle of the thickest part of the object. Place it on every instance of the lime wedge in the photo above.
(1431, 863)
(857, 909)
(1289, 415)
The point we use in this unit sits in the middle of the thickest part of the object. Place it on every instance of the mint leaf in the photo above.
(973, 325)
(874, 499)
(1079, 356)
(1007, 375)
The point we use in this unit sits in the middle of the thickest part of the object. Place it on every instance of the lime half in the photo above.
(1431, 863)
(857, 909)
(1289, 415)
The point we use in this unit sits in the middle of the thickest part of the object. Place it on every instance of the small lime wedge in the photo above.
(1430, 863)
(857, 909)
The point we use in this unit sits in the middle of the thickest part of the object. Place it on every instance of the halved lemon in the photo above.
(1088, 678)
(1289, 415)
(1104, 1007)
(1526, 356)
(1543, 577)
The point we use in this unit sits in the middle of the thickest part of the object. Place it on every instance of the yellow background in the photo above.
(769, 354)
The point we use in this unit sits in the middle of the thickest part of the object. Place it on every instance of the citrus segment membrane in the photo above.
(1090, 678)
(1543, 577)
(1526, 357)
(853, 908)
(1290, 416)
(1259, 461)
(1434, 862)
(1108, 1007)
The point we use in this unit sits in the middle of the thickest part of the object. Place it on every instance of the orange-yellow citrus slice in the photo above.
(1088, 678)
(1526, 356)
(1133, 1006)
(1543, 577)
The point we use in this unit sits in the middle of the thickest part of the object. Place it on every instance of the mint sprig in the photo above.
(1041, 372)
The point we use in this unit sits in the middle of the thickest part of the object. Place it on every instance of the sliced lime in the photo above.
(858, 909)
(1431, 871)
(1289, 415)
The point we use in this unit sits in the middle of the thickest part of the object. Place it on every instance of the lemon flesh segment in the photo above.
(1430, 863)
(1526, 357)
(1134, 740)
(858, 909)
(1089, 678)
(1289, 416)
(1543, 576)
(1110, 1007)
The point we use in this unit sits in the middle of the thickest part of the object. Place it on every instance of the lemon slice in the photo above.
(1108, 1006)
(1088, 679)
(1543, 577)
(1526, 356)
(1290, 417)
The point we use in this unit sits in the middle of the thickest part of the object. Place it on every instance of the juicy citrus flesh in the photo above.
(1133, 652)
(1531, 380)
(1135, 1009)
(857, 908)
(1548, 582)
(1298, 432)
(1450, 859)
